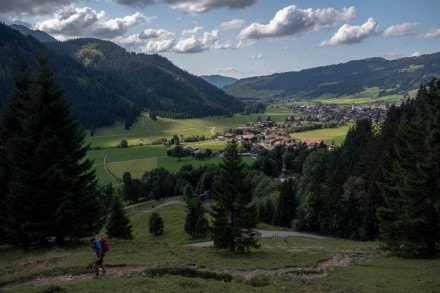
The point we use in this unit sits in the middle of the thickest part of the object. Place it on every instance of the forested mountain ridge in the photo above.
(39, 35)
(150, 81)
(105, 83)
(391, 76)
(92, 102)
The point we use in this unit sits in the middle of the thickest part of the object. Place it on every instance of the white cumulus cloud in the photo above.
(196, 43)
(233, 24)
(399, 29)
(351, 34)
(156, 41)
(149, 41)
(431, 34)
(190, 32)
(189, 45)
(292, 20)
(86, 22)
(201, 6)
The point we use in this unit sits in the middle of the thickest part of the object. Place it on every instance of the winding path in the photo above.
(321, 269)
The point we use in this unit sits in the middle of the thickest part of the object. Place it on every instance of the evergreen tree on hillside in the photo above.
(410, 217)
(312, 203)
(53, 190)
(196, 224)
(156, 224)
(235, 217)
(286, 208)
(10, 129)
(118, 224)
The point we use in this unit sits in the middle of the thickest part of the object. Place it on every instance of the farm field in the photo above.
(111, 162)
(328, 135)
(167, 264)
(369, 95)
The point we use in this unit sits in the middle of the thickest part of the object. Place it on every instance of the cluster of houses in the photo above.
(266, 134)
(349, 114)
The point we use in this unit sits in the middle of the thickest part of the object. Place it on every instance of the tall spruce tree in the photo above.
(52, 188)
(10, 129)
(118, 224)
(235, 216)
(410, 217)
(287, 204)
(311, 199)
(156, 224)
(196, 224)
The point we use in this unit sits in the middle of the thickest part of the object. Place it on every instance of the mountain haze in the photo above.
(219, 81)
(391, 76)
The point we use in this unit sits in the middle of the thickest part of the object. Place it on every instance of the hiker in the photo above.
(99, 262)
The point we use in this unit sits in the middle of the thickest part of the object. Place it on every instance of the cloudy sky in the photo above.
(242, 38)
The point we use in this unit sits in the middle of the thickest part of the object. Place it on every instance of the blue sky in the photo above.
(242, 38)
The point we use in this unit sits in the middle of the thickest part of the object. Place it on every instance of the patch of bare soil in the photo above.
(319, 270)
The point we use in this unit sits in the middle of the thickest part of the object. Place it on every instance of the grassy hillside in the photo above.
(165, 264)
(389, 77)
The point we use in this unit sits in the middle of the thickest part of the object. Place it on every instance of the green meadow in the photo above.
(110, 162)
(166, 264)
(367, 96)
(328, 135)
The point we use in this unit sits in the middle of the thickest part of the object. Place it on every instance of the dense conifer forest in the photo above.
(105, 83)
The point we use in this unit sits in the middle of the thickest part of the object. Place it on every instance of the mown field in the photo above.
(166, 264)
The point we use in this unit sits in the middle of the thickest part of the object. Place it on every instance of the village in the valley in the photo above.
(267, 134)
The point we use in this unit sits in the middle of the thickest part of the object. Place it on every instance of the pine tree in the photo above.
(267, 211)
(118, 224)
(410, 218)
(10, 129)
(188, 193)
(196, 224)
(286, 208)
(53, 190)
(235, 217)
(156, 224)
(311, 192)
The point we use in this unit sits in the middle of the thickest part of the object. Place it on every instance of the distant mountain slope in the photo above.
(39, 35)
(150, 81)
(392, 77)
(219, 80)
(93, 103)
(105, 83)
